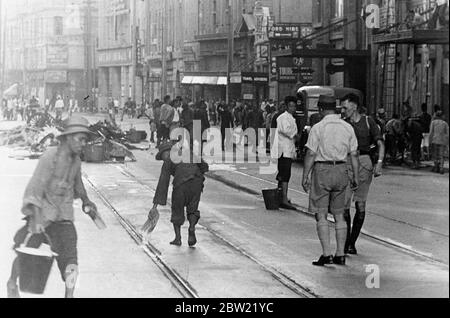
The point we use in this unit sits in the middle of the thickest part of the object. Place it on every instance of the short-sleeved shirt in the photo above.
(59, 104)
(332, 139)
(288, 126)
(55, 184)
(367, 132)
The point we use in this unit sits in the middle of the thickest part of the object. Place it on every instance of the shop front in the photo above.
(251, 87)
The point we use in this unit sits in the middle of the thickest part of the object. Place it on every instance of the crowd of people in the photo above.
(424, 136)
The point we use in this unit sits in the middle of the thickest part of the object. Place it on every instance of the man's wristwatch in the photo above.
(380, 161)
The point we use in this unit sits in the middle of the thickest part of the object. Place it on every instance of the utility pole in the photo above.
(230, 51)
(164, 51)
(280, 11)
(133, 50)
(2, 53)
(88, 50)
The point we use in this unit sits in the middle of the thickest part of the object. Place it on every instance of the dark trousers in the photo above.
(186, 196)
(416, 151)
(284, 169)
(163, 134)
(391, 147)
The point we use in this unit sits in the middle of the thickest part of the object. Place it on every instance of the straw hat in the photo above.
(76, 125)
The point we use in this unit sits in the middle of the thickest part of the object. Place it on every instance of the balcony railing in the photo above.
(428, 16)
(424, 24)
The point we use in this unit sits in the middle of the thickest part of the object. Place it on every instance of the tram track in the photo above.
(182, 286)
(284, 279)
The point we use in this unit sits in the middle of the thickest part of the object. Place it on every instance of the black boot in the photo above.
(177, 240)
(324, 260)
(192, 239)
(348, 220)
(358, 223)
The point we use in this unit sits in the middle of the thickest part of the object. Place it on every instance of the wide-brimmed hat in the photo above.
(76, 125)
(327, 102)
(167, 146)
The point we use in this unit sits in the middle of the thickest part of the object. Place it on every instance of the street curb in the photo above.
(300, 209)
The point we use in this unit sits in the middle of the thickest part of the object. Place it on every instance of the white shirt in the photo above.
(287, 125)
(332, 139)
(59, 104)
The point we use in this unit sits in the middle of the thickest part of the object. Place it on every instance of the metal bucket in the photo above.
(35, 266)
(271, 199)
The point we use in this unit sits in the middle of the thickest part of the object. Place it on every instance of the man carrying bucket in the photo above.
(48, 205)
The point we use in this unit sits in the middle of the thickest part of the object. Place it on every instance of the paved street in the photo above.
(244, 250)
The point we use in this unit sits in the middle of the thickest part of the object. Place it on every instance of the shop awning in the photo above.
(12, 91)
(187, 80)
(204, 80)
(222, 81)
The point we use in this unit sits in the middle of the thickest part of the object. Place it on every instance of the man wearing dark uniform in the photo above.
(188, 186)
(368, 133)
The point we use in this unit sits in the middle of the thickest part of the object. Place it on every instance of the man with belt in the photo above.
(48, 204)
(368, 133)
(329, 144)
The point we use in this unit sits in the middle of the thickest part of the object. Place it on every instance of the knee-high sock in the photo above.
(341, 235)
(358, 222)
(348, 221)
(323, 230)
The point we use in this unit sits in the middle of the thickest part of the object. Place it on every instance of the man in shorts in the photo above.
(48, 204)
(325, 176)
(368, 134)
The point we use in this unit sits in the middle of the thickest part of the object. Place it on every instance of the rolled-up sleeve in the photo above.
(35, 191)
(313, 140)
(163, 184)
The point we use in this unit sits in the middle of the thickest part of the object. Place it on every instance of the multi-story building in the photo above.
(340, 50)
(197, 47)
(48, 48)
(411, 55)
(121, 30)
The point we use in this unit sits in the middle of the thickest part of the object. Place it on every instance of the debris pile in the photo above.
(109, 144)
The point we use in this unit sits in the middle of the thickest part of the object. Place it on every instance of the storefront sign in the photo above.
(115, 57)
(293, 31)
(262, 15)
(285, 67)
(56, 76)
(255, 78)
(57, 55)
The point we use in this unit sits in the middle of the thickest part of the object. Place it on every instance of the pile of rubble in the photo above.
(109, 144)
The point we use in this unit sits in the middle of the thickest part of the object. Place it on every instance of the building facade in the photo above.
(411, 55)
(121, 32)
(48, 47)
(341, 55)
(196, 49)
